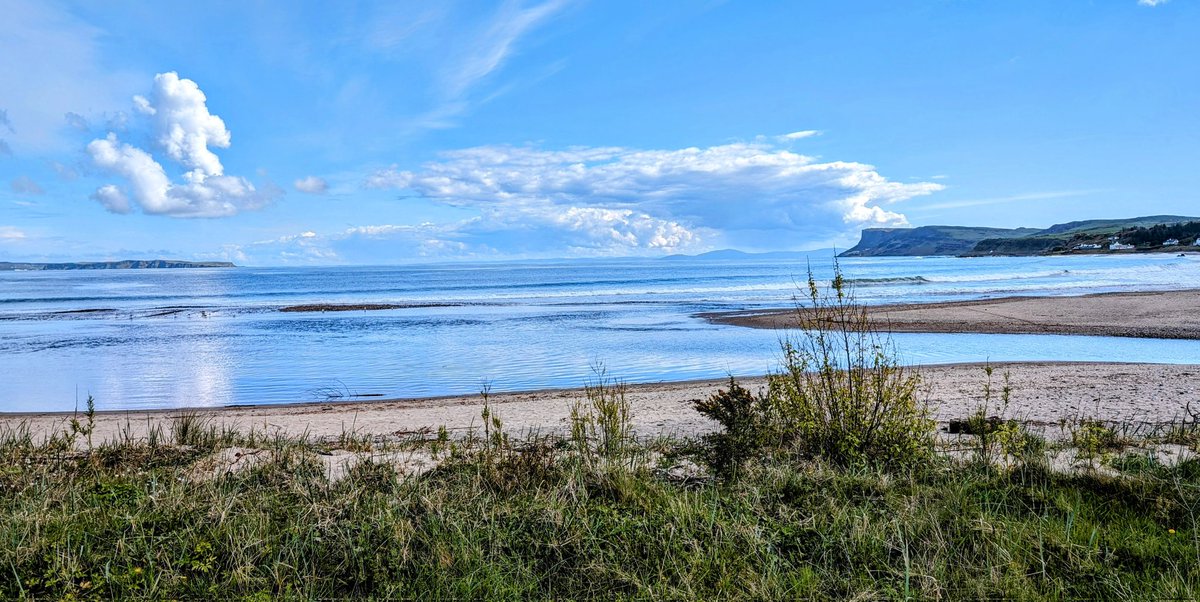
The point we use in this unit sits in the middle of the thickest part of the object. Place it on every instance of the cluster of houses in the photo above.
(1114, 244)
(1175, 242)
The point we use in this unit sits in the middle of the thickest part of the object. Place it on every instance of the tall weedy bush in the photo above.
(600, 425)
(841, 393)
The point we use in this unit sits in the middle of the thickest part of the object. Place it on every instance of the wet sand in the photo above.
(1042, 393)
(1159, 315)
(324, 307)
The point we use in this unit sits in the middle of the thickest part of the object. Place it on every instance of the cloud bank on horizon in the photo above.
(660, 199)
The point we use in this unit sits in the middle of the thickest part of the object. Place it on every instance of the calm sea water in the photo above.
(172, 338)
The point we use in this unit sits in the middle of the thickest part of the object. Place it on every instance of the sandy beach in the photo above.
(1159, 315)
(1042, 393)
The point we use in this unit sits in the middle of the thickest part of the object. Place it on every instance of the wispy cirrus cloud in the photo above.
(462, 52)
(5, 124)
(800, 135)
(488, 52)
(1004, 200)
(25, 185)
(11, 234)
(52, 70)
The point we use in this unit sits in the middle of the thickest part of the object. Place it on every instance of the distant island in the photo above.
(128, 264)
(1156, 233)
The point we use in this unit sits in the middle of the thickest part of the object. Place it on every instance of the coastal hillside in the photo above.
(1139, 233)
(128, 264)
(928, 240)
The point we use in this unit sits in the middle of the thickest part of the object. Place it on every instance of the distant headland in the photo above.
(128, 264)
(1156, 233)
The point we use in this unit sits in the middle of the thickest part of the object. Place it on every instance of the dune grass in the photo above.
(563, 517)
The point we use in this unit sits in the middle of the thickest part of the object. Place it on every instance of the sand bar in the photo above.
(324, 307)
(1159, 315)
(1042, 393)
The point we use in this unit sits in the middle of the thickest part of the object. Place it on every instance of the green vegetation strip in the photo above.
(538, 519)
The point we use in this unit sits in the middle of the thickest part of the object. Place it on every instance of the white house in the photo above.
(1116, 246)
(1171, 242)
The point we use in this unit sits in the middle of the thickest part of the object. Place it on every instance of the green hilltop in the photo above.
(1147, 233)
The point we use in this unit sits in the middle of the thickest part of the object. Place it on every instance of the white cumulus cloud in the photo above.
(112, 198)
(745, 194)
(184, 127)
(184, 130)
(311, 185)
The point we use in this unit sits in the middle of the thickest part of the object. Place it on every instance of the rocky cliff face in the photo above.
(927, 240)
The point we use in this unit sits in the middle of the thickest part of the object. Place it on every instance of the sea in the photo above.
(173, 338)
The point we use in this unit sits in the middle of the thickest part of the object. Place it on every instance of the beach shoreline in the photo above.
(1155, 315)
(1043, 393)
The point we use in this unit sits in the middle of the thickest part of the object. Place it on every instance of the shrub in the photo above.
(841, 394)
(745, 431)
(1016, 442)
(1093, 438)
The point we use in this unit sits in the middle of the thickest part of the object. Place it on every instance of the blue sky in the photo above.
(368, 133)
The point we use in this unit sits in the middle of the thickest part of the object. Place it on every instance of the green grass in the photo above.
(548, 518)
